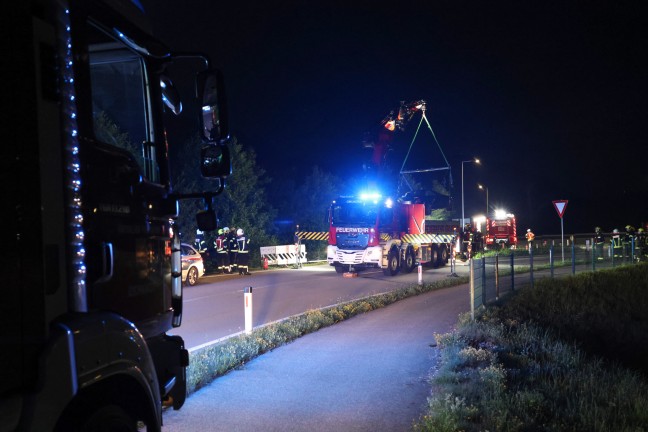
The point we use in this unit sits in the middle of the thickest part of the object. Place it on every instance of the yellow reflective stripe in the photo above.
(304, 235)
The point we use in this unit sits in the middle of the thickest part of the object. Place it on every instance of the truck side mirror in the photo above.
(215, 161)
(210, 91)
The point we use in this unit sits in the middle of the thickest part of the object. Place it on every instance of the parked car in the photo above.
(192, 264)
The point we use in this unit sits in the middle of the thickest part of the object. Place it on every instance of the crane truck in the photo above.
(370, 230)
(93, 255)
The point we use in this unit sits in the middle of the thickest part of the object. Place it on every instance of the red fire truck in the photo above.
(370, 231)
(501, 230)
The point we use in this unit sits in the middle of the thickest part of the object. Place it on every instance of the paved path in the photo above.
(368, 373)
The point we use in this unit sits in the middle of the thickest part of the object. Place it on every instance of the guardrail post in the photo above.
(551, 260)
(632, 245)
(497, 289)
(472, 289)
(247, 303)
(420, 274)
(483, 260)
(531, 265)
(593, 256)
(573, 258)
(512, 271)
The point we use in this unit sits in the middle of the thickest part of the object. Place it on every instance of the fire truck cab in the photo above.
(93, 255)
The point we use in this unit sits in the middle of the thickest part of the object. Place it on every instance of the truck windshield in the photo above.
(354, 213)
(119, 96)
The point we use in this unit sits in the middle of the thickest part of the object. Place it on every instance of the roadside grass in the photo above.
(567, 355)
(216, 360)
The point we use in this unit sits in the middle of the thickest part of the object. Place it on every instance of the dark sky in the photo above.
(552, 96)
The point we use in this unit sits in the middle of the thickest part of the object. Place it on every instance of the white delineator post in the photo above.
(420, 274)
(247, 301)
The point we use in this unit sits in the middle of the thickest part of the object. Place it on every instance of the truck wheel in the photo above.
(192, 276)
(392, 264)
(110, 418)
(409, 262)
(443, 256)
(340, 268)
(96, 417)
(434, 261)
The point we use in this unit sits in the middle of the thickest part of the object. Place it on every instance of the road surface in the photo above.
(368, 373)
(213, 308)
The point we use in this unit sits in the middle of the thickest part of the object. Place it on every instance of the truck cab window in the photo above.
(119, 100)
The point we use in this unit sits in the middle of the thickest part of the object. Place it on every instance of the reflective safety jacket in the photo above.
(243, 243)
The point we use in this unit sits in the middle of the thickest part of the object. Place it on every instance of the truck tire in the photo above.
(340, 268)
(434, 259)
(94, 416)
(409, 262)
(110, 418)
(392, 264)
(443, 256)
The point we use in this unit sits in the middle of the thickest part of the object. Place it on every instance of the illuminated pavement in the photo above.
(368, 373)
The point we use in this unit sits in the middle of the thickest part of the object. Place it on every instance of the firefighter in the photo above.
(599, 239)
(641, 243)
(200, 244)
(243, 254)
(467, 240)
(232, 247)
(222, 254)
(616, 243)
(530, 237)
(628, 241)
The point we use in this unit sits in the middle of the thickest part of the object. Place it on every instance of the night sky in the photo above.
(551, 96)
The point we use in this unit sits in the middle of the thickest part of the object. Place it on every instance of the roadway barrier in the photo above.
(284, 254)
(306, 235)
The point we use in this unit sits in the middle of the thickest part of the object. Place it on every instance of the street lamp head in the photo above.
(473, 160)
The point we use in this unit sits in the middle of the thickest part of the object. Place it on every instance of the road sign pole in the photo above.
(562, 239)
(560, 206)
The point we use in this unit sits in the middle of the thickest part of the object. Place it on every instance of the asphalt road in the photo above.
(214, 308)
(368, 373)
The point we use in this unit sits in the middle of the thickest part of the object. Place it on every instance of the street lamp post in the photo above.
(482, 187)
(475, 160)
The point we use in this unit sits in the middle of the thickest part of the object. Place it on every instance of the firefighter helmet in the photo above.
(239, 232)
(220, 231)
(226, 230)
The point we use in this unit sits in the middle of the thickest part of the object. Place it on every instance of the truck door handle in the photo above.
(107, 262)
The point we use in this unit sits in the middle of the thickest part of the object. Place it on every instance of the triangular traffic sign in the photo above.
(560, 206)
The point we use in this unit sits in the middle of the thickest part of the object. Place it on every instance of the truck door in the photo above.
(126, 212)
